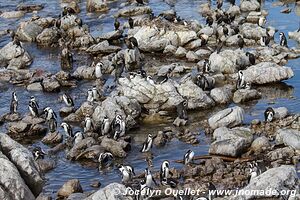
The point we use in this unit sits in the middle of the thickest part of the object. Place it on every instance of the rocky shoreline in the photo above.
(225, 61)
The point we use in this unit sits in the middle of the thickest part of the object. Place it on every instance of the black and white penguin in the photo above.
(68, 129)
(188, 157)
(105, 126)
(130, 22)
(96, 94)
(38, 153)
(164, 78)
(33, 107)
(119, 68)
(116, 24)
(147, 145)
(165, 172)
(78, 137)
(14, 103)
(150, 79)
(66, 59)
(52, 123)
(181, 110)
(241, 42)
(134, 43)
(283, 40)
(203, 37)
(88, 124)
(209, 20)
(256, 169)
(149, 179)
(241, 83)
(206, 67)
(98, 70)
(269, 114)
(251, 58)
(105, 159)
(90, 96)
(262, 21)
(49, 113)
(219, 4)
(118, 127)
(68, 100)
(127, 173)
(203, 82)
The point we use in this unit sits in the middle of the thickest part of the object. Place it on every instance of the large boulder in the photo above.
(117, 148)
(222, 95)
(113, 191)
(21, 129)
(28, 31)
(289, 137)
(48, 38)
(228, 61)
(70, 187)
(294, 36)
(244, 95)
(12, 185)
(231, 142)
(251, 5)
(267, 72)
(103, 48)
(229, 117)
(96, 6)
(134, 10)
(23, 159)
(14, 57)
(283, 178)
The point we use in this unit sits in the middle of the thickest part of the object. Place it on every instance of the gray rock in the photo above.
(228, 61)
(251, 5)
(195, 44)
(51, 85)
(231, 142)
(279, 178)
(229, 117)
(12, 14)
(96, 6)
(84, 72)
(21, 129)
(117, 148)
(222, 95)
(77, 196)
(179, 122)
(45, 165)
(180, 52)
(68, 22)
(260, 144)
(113, 35)
(53, 138)
(28, 31)
(113, 191)
(196, 97)
(203, 53)
(271, 73)
(92, 153)
(72, 186)
(192, 56)
(65, 111)
(14, 57)
(132, 11)
(80, 147)
(289, 137)
(244, 95)
(170, 49)
(294, 36)
(252, 31)
(281, 112)
(285, 153)
(43, 197)
(37, 86)
(13, 186)
(103, 48)
(48, 37)
(24, 161)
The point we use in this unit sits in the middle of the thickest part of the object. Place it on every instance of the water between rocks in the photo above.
(284, 94)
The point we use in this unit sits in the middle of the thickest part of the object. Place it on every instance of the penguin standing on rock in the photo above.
(68, 129)
(163, 78)
(118, 127)
(38, 153)
(283, 40)
(33, 107)
(90, 96)
(130, 22)
(265, 41)
(209, 20)
(269, 114)
(105, 126)
(98, 70)
(251, 58)
(66, 59)
(78, 137)
(88, 124)
(96, 94)
(127, 173)
(49, 113)
(241, 83)
(150, 181)
(181, 110)
(165, 170)
(147, 145)
(116, 24)
(14, 103)
(241, 42)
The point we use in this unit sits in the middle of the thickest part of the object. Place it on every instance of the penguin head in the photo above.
(166, 164)
(99, 64)
(149, 136)
(63, 124)
(78, 135)
(240, 74)
(281, 34)
(119, 117)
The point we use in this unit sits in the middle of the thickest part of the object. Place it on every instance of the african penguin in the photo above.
(149, 179)
(68, 129)
(116, 24)
(105, 159)
(241, 42)
(98, 70)
(264, 41)
(96, 94)
(147, 145)
(38, 153)
(52, 123)
(88, 124)
(241, 83)
(262, 21)
(105, 126)
(150, 79)
(130, 22)
(269, 114)
(66, 59)
(68, 100)
(78, 137)
(33, 107)
(165, 170)
(13, 103)
(90, 96)
(127, 173)
(283, 40)
(49, 113)
(188, 157)
(251, 58)
(181, 109)
(118, 127)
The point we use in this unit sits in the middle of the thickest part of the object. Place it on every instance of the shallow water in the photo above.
(46, 59)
